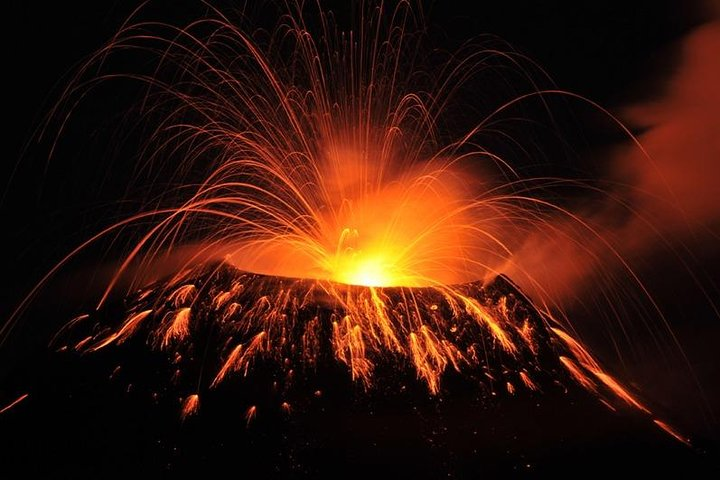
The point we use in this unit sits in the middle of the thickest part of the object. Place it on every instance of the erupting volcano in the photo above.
(491, 332)
(316, 199)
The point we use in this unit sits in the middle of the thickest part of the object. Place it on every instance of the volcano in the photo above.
(222, 324)
(158, 379)
(275, 337)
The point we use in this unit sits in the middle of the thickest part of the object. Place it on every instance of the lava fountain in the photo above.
(328, 211)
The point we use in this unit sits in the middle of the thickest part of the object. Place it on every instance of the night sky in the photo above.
(76, 423)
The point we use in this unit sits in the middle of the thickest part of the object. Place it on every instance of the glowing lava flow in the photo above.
(321, 166)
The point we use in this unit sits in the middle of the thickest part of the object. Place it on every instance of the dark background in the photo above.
(611, 52)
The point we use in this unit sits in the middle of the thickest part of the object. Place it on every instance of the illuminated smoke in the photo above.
(665, 193)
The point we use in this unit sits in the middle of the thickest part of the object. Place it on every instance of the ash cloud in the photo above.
(683, 139)
(671, 194)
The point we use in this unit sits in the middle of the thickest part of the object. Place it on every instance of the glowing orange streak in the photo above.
(179, 327)
(231, 364)
(479, 313)
(183, 295)
(350, 349)
(127, 329)
(250, 414)
(13, 403)
(240, 359)
(384, 321)
(528, 381)
(428, 360)
(190, 406)
(585, 359)
(590, 364)
(611, 383)
(527, 333)
(80, 346)
(69, 325)
(578, 374)
(221, 299)
(453, 354)
(671, 431)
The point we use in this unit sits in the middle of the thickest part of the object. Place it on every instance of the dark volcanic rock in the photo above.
(116, 411)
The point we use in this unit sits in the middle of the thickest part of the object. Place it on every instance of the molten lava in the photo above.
(416, 228)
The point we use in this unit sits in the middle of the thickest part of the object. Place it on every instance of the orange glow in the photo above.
(178, 327)
(190, 405)
(250, 414)
(368, 270)
(327, 170)
(420, 227)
